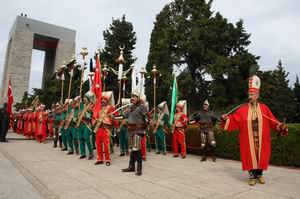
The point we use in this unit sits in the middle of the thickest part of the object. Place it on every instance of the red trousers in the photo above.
(41, 137)
(102, 137)
(143, 147)
(179, 138)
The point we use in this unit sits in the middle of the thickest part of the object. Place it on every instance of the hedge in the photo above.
(285, 150)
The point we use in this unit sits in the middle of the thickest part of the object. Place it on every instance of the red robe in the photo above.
(20, 123)
(25, 119)
(33, 123)
(41, 133)
(241, 120)
(180, 122)
(50, 126)
(103, 133)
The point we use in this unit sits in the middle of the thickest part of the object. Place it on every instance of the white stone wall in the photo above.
(18, 65)
(64, 52)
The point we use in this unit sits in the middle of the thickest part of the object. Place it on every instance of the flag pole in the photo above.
(154, 71)
(83, 53)
(120, 61)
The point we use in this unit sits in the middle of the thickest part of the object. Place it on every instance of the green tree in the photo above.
(296, 91)
(277, 94)
(188, 36)
(119, 34)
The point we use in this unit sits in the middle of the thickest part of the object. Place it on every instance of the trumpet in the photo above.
(85, 109)
(69, 119)
(100, 120)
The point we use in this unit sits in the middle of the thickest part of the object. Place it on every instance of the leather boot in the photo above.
(139, 169)
(213, 154)
(130, 168)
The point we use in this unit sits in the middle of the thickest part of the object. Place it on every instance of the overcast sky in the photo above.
(273, 24)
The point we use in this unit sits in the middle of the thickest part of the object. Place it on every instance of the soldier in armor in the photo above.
(103, 127)
(206, 123)
(56, 125)
(136, 119)
(179, 126)
(70, 126)
(159, 126)
(84, 125)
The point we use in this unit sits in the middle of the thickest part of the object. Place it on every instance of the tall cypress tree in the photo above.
(296, 91)
(277, 94)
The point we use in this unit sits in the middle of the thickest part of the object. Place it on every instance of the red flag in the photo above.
(97, 87)
(10, 98)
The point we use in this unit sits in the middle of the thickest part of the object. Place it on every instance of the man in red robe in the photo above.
(41, 128)
(103, 127)
(254, 121)
(180, 124)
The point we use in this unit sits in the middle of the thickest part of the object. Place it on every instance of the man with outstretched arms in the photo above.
(136, 117)
(206, 122)
(254, 120)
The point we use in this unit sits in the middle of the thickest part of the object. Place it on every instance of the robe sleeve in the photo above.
(116, 123)
(232, 122)
(184, 120)
(274, 123)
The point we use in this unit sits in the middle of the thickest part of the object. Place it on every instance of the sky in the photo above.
(273, 24)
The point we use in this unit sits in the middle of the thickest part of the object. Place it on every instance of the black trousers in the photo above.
(255, 173)
(135, 156)
(4, 130)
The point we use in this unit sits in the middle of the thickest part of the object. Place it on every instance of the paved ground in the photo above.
(32, 170)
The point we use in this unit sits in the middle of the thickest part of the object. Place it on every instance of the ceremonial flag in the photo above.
(174, 100)
(10, 98)
(97, 87)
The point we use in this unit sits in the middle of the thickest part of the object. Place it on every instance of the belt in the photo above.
(105, 126)
(136, 127)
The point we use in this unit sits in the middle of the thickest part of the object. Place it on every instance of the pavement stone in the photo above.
(32, 170)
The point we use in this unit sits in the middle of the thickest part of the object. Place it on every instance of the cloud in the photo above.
(272, 23)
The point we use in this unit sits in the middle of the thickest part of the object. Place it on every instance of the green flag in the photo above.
(174, 100)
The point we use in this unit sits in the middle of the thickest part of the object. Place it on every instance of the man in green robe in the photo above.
(84, 125)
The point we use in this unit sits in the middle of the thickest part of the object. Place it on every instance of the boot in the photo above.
(90, 156)
(60, 142)
(213, 154)
(122, 154)
(203, 158)
(130, 168)
(204, 152)
(139, 169)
